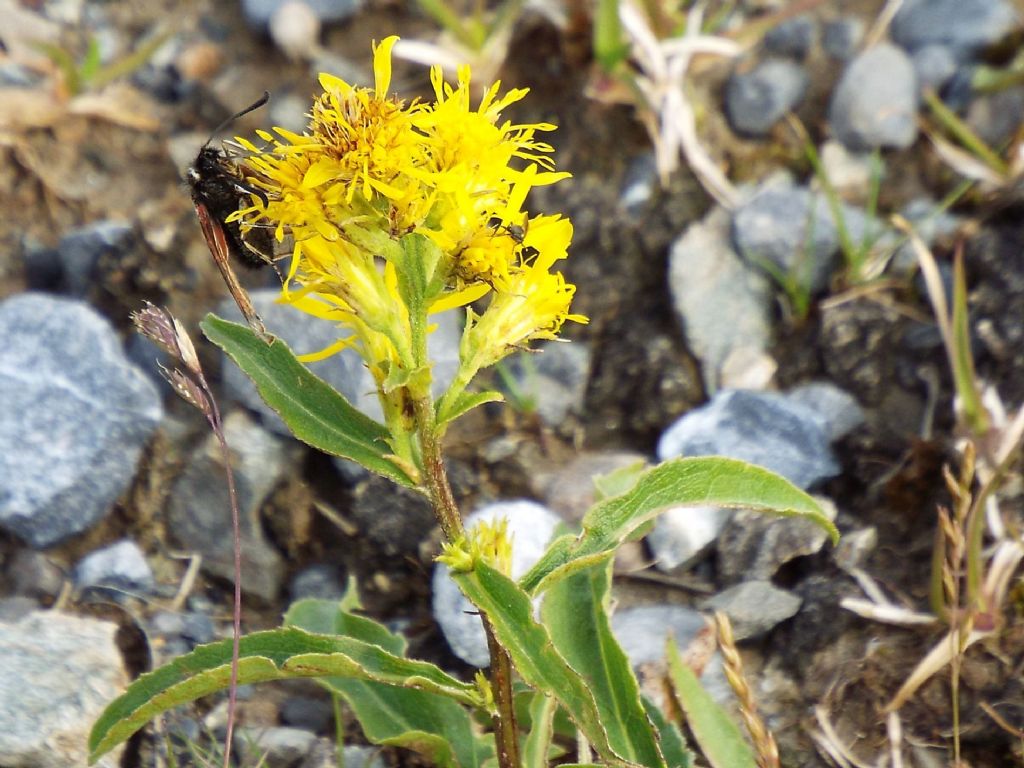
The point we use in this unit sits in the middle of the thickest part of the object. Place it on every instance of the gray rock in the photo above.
(875, 102)
(307, 712)
(837, 411)
(121, 565)
(681, 535)
(33, 575)
(553, 379)
(569, 490)
(792, 37)
(756, 100)
(841, 37)
(531, 526)
(643, 630)
(258, 12)
(754, 607)
(934, 65)
(82, 251)
(723, 303)
(790, 228)
(962, 25)
(393, 518)
(199, 512)
(76, 415)
(996, 117)
(277, 747)
(344, 371)
(320, 580)
(325, 755)
(57, 673)
(763, 428)
(754, 545)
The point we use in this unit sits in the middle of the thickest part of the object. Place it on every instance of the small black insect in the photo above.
(515, 231)
(219, 190)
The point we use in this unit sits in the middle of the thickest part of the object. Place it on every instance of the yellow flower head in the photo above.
(372, 171)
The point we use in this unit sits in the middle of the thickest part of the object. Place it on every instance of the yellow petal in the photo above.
(382, 65)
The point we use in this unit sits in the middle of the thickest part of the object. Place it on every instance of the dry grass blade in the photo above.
(764, 742)
(937, 658)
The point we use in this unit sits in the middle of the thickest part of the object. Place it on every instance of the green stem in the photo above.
(436, 480)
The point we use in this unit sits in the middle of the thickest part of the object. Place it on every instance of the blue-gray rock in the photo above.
(875, 102)
(311, 714)
(322, 581)
(121, 565)
(792, 37)
(754, 607)
(934, 65)
(723, 304)
(76, 415)
(258, 12)
(756, 100)
(836, 410)
(344, 371)
(531, 527)
(841, 37)
(57, 674)
(996, 117)
(199, 512)
(393, 518)
(962, 25)
(552, 380)
(80, 252)
(643, 630)
(764, 428)
(793, 229)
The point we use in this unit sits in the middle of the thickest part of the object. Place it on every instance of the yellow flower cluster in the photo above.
(371, 175)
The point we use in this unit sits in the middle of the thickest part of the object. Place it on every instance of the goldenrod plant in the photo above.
(399, 210)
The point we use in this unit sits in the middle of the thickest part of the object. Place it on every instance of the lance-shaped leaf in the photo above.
(533, 655)
(575, 612)
(314, 411)
(276, 654)
(703, 481)
(670, 738)
(720, 739)
(435, 726)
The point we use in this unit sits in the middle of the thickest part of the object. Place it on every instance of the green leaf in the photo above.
(575, 612)
(467, 401)
(276, 654)
(702, 481)
(619, 481)
(673, 745)
(435, 726)
(720, 739)
(312, 409)
(533, 655)
(537, 746)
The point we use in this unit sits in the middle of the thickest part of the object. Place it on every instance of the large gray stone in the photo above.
(57, 673)
(875, 102)
(962, 25)
(764, 428)
(75, 417)
(199, 511)
(723, 303)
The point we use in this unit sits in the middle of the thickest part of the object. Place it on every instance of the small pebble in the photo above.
(756, 100)
(875, 101)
